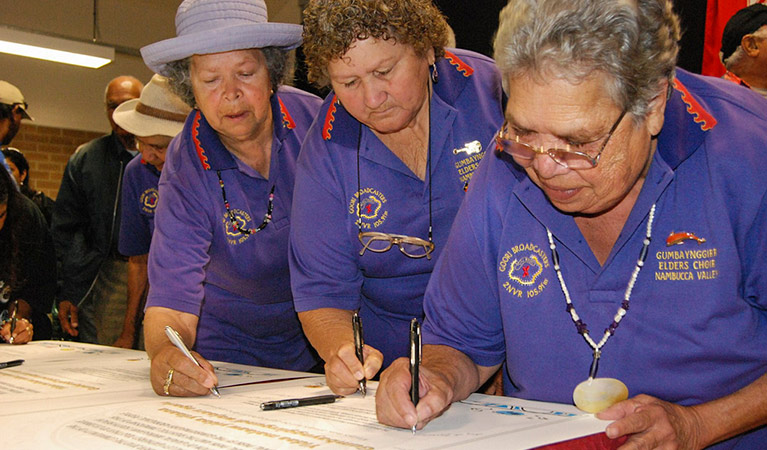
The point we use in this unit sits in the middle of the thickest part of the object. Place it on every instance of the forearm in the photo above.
(137, 284)
(458, 370)
(155, 321)
(327, 329)
(728, 416)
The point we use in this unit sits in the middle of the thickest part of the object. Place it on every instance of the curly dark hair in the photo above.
(332, 26)
(180, 81)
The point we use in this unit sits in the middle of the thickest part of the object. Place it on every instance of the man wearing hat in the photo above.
(85, 226)
(13, 108)
(744, 48)
(154, 119)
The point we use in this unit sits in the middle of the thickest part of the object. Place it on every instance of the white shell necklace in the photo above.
(596, 394)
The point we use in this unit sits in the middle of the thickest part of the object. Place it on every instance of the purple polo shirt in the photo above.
(696, 328)
(138, 204)
(237, 284)
(387, 288)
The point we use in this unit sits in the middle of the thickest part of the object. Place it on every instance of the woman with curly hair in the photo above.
(27, 271)
(382, 172)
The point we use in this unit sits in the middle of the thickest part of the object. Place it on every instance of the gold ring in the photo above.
(168, 382)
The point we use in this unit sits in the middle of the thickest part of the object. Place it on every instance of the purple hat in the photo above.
(214, 26)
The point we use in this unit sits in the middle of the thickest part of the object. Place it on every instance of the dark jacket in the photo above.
(84, 227)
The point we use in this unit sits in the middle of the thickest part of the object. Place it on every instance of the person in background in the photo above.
(13, 109)
(619, 226)
(382, 172)
(86, 225)
(19, 167)
(218, 268)
(27, 270)
(744, 48)
(154, 119)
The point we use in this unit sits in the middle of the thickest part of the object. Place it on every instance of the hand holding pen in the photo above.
(16, 330)
(175, 338)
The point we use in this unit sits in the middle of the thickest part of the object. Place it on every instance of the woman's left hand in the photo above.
(22, 333)
(653, 423)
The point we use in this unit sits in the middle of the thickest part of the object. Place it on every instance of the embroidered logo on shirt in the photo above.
(287, 120)
(693, 262)
(703, 117)
(467, 165)
(372, 207)
(462, 67)
(679, 238)
(330, 117)
(148, 200)
(523, 267)
(243, 220)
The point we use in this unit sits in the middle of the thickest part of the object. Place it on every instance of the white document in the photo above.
(236, 421)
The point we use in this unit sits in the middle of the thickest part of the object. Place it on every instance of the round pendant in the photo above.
(597, 394)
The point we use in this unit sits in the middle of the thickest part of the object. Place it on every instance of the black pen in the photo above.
(295, 402)
(359, 344)
(14, 363)
(415, 362)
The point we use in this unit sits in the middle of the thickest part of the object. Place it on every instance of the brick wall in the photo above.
(47, 151)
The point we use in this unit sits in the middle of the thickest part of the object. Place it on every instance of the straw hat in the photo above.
(214, 26)
(156, 112)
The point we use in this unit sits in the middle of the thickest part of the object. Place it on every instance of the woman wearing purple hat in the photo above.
(218, 269)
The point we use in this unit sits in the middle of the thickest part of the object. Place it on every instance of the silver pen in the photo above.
(13, 320)
(175, 338)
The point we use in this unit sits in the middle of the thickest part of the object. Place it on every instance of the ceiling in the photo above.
(71, 97)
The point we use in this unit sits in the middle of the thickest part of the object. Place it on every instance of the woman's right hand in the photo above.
(343, 371)
(186, 378)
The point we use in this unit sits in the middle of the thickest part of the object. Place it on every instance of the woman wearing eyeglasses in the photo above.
(218, 269)
(612, 252)
(382, 172)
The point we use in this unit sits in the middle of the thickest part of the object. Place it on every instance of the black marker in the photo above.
(295, 402)
(415, 361)
(14, 363)
(359, 345)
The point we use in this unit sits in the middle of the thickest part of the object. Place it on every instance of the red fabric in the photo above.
(718, 12)
(593, 442)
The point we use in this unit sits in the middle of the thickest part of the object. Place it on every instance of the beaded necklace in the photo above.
(609, 331)
(233, 220)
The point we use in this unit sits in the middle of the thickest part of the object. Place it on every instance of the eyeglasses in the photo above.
(233, 219)
(566, 157)
(410, 246)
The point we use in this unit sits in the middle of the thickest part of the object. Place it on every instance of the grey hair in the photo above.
(633, 42)
(739, 55)
(180, 81)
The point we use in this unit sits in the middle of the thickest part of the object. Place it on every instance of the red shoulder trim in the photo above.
(706, 120)
(462, 67)
(330, 116)
(287, 121)
(197, 145)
